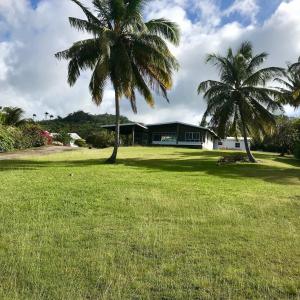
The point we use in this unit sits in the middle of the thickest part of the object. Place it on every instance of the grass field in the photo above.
(164, 223)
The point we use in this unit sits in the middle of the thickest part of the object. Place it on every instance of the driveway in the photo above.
(35, 152)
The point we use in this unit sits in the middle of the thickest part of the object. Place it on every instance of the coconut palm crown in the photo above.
(13, 116)
(290, 85)
(240, 103)
(124, 50)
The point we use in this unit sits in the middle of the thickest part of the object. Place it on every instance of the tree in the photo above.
(13, 116)
(124, 49)
(240, 101)
(46, 115)
(290, 85)
(285, 134)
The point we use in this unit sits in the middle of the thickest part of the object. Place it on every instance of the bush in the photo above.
(27, 136)
(34, 135)
(7, 141)
(103, 139)
(80, 143)
(231, 159)
(63, 137)
(297, 150)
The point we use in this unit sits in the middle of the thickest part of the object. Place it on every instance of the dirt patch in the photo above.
(35, 152)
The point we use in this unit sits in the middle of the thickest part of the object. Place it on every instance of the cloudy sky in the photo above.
(31, 31)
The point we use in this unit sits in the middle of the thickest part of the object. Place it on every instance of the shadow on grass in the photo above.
(188, 162)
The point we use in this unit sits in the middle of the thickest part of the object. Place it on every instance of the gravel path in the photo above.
(35, 151)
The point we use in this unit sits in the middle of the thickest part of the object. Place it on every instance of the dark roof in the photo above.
(186, 124)
(126, 128)
(146, 126)
(126, 124)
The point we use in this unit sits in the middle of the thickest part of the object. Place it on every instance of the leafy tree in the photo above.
(285, 134)
(124, 49)
(240, 101)
(291, 85)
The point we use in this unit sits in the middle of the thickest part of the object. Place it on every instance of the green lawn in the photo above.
(164, 223)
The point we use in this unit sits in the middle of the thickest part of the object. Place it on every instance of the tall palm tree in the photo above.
(51, 117)
(290, 85)
(46, 115)
(124, 50)
(13, 116)
(240, 102)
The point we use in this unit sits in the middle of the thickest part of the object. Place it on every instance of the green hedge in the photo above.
(17, 138)
(7, 139)
(102, 139)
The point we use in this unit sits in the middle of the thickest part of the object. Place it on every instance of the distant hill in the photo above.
(81, 122)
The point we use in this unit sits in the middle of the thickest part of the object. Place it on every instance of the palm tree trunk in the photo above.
(113, 157)
(249, 154)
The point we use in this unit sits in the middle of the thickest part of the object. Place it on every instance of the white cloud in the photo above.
(31, 77)
(248, 8)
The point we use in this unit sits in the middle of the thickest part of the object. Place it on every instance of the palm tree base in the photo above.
(111, 160)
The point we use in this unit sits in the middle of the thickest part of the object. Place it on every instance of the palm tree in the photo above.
(46, 115)
(13, 116)
(290, 85)
(34, 117)
(51, 117)
(124, 50)
(240, 102)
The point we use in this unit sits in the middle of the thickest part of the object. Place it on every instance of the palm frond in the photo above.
(262, 76)
(88, 13)
(164, 28)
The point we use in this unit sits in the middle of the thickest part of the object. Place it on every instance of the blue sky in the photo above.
(266, 9)
(31, 78)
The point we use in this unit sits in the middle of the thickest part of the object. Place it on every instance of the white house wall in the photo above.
(229, 144)
(209, 142)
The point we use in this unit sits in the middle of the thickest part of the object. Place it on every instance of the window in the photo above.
(192, 137)
(168, 137)
(220, 143)
(237, 145)
(156, 137)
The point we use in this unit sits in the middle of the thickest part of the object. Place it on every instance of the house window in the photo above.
(192, 137)
(220, 143)
(156, 137)
(237, 145)
(165, 137)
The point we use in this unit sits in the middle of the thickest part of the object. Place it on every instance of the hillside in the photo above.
(80, 122)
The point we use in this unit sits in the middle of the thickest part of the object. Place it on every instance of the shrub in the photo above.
(63, 137)
(34, 135)
(231, 159)
(297, 150)
(103, 139)
(80, 143)
(27, 136)
(7, 141)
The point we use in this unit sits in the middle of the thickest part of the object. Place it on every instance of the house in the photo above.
(169, 134)
(232, 143)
